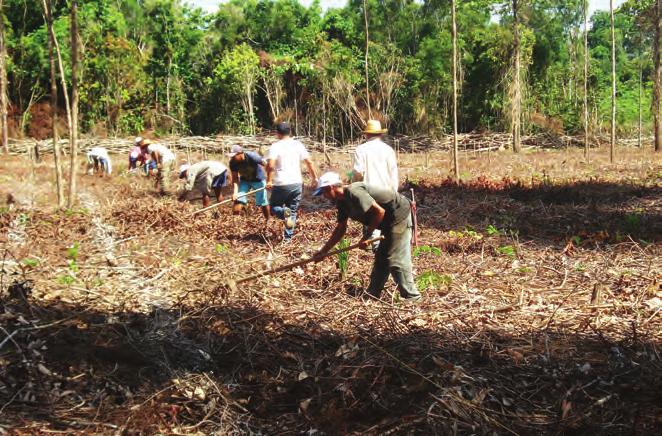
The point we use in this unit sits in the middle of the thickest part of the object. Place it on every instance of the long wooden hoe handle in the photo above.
(300, 262)
(221, 203)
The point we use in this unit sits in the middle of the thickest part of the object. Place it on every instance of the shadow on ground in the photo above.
(230, 366)
(590, 212)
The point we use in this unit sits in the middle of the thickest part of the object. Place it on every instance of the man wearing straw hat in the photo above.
(165, 162)
(375, 164)
(381, 209)
(204, 177)
(138, 158)
(248, 175)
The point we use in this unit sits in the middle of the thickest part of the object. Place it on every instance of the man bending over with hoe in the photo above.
(204, 177)
(376, 208)
(98, 161)
(248, 175)
(165, 162)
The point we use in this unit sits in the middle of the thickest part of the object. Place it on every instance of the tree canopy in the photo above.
(173, 68)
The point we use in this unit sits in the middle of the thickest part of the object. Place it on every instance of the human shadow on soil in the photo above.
(590, 212)
(233, 366)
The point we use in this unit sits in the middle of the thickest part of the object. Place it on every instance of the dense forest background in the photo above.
(165, 66)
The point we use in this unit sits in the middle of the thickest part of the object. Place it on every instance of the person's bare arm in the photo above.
(271, 164)
(311, 170)
(336, 236)
(376, 213)
(235, 185)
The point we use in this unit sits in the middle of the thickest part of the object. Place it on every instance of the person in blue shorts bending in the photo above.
(248, 174)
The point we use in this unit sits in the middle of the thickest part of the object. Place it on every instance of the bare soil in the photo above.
(542, 309)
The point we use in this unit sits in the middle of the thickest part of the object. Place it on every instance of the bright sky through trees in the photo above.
(210, 5)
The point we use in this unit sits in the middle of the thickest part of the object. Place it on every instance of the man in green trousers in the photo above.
(376, 208)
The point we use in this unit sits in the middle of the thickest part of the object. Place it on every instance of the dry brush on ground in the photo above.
(541, 315)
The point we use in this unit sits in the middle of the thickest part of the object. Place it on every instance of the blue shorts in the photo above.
(260, 197)
(219, 181)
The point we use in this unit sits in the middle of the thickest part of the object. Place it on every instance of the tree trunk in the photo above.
(657, 79)
(641, 92)
(456, 164)
(74, 104)
(612, 145)
(367, 42)
(4, 136)
(517, 90)
(586, 58)
(59, 182)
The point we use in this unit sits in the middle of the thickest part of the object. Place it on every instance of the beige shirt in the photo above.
(200, 175)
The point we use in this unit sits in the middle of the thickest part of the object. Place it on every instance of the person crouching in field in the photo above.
(98, 161)
(165, 162)
(204, 177)
(138, 158)
(375, 208)
(248, 175)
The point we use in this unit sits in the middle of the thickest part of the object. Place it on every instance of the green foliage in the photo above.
(467, 233)
(165, 66)
(221, 248)
(72, 251)
(492, 231)
(426, 249)
(343, 258)
(506, 250)
(30, 263)
(433, 280)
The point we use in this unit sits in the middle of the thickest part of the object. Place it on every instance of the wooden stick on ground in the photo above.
(232, 284)
(221, 203)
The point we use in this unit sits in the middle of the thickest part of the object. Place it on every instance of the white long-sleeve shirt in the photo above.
(101, 153)
(376, 162)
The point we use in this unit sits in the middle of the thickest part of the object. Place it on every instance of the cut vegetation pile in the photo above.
(541, 314)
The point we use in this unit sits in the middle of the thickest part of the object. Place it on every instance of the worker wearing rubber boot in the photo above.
(375, 164)
(205, 177)
(381, 209)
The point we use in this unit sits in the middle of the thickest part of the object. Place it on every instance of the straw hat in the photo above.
(374, 127)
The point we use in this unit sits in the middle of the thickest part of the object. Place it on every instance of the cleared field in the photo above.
(542, 307)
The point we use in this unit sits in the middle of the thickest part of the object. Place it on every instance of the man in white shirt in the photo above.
(98, 161)
(165, 162)
(204, 177)
(284, 177)
(375, 164)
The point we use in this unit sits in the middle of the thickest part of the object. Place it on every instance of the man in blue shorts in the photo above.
(248, 174)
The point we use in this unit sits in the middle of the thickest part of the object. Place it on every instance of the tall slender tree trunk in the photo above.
(586, 58)
(74, 103)
(4, 130)
(456, 164)
(517, 87)
(367, 44)
(612, 144)
(657, 79)
(59, 181)
(641, 92)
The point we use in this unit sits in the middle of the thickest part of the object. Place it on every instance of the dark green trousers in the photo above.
(394, 257)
